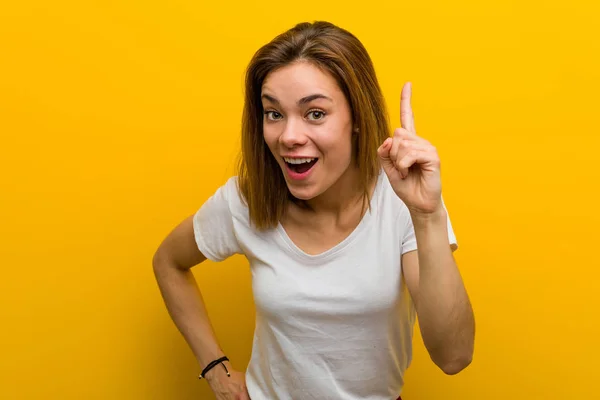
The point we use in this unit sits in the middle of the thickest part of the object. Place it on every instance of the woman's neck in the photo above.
(345, 194)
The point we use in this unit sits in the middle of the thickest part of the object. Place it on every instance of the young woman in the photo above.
(344, 227)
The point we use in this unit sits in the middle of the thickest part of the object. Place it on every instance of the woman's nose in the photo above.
(293, 134)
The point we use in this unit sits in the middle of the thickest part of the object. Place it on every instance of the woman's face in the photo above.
(307, 125)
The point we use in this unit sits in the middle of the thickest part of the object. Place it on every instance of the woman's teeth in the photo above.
(298, 160)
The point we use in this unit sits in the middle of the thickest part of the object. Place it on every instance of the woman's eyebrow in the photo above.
(302, 101)
(312, 97)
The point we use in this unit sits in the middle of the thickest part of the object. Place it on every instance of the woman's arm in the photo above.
(445, 315)
(172, 262)
(412, 165)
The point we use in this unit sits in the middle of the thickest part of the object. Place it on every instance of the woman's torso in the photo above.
(334, 319)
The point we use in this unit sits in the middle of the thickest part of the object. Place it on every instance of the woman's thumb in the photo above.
(384, 150)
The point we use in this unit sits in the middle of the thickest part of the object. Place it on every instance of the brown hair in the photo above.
(341, 54)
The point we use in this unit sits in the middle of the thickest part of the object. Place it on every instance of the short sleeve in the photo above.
(409, 240)
(214, 229)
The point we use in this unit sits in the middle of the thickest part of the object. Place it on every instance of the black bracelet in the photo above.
(213, 364)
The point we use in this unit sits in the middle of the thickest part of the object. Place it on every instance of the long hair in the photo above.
(342, 55)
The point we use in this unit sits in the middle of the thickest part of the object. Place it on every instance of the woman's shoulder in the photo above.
(232, 194)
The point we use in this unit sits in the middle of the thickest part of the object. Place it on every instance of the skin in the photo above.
(322, 127)
(307, 115)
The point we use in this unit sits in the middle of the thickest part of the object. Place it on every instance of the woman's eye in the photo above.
(273, 115)
(316, 115)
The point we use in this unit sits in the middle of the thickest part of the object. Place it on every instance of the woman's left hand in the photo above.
(412, 163)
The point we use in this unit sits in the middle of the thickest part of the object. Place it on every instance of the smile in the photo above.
(299, 168)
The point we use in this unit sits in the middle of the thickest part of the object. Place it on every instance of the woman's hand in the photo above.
(412, 163)
(227, 387)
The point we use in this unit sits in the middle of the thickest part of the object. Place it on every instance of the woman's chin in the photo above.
(303, 192)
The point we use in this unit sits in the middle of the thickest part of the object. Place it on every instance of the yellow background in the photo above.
(118, 119)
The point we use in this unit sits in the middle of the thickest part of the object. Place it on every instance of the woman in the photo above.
(337, 275)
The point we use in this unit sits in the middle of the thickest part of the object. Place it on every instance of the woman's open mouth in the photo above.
(299, 168)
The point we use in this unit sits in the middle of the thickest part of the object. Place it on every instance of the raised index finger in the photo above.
(406, 113)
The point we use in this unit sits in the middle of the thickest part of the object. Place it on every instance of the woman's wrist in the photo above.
(217, 361)
(425, 220)
(208, 357)
(220, 371)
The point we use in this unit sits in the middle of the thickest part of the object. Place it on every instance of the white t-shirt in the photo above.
(337, 325)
